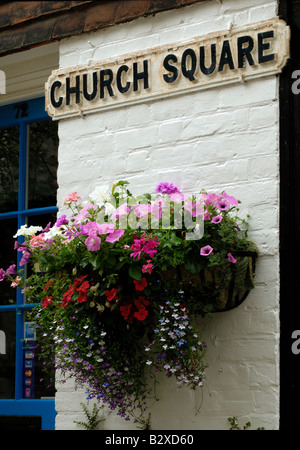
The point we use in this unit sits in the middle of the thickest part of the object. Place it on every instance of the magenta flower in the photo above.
(61, 221)
(2, 274)
(217, 219)
(166, 188)
(25, 258)
(11, 270)
(230, 258)
(147, 268)
(47, 228)
(146, 245)
(205, 251)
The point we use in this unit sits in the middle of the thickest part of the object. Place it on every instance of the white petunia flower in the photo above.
(100, 195)
(109, 209)
(27, 231)
(54, 231)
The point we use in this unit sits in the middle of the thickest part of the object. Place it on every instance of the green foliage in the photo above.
(116, 298)
(234, 425)
(92, 417)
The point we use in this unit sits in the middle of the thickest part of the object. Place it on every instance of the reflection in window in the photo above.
(7, 359)
(8, 256)
(9, 169)
(42, 164)
(43, 377)
(34, 151)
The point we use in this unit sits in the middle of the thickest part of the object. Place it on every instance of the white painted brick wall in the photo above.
(223, 138)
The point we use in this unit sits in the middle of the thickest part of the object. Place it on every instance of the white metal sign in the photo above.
(234, 55)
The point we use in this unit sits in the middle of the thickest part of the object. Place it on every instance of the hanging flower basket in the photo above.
(119, 281)
(222, 287)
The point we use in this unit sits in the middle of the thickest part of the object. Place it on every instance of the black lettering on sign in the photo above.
(170, 78)
(189, 55)
(86, 94)
(120, 86)
(213, 57)
(140, 75)
(226, 56)
(245, 51)
(73, 89)
(106, 77)
(54, 102)
(262, 46)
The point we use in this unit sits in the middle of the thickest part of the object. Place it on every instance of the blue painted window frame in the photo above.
(10, 117)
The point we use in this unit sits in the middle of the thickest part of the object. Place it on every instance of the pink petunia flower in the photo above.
(71, 198)
(16, 282)
(222, 204)
(37, 241)
(167, 188)
(141, 210)
(93, 242)
(147, 268)
(230, 258)
(217, 219)
(205, 251)
(232, 200)
(115, 235)
(11, 270)
(121, 211)
(206, 215)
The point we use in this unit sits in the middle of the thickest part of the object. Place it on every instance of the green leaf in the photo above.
(95, 260)
(135, 272)
(122, 183)
(111, 260)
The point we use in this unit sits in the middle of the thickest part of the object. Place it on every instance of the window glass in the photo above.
(8, 256)
(41, 220)
(7, 354)
(9, 169)
(38, 378)
(28, 181)
(42, 164)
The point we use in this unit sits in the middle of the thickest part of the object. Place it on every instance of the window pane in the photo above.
(38, 378)
(9, 169)
(7, 354)
(41, 220)
(42, 164)
(8, 256)
(44, 380)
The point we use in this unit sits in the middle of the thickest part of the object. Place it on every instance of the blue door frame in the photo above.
(21, 114)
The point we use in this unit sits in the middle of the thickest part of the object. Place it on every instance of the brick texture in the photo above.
(28, 24)
(222, 138)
